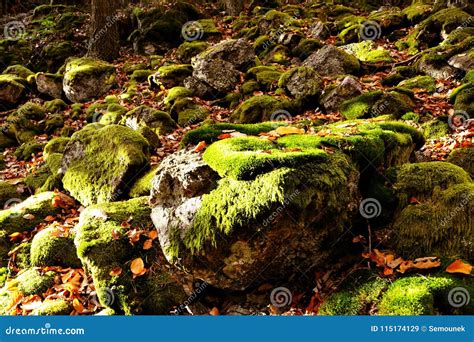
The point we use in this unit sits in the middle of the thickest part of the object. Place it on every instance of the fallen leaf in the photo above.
(287, 130)
(137, 267)
(153, 234)
(201, 146)
(77, 305)
(459, 267)
(116, 271)
(148, 244)
(214, 312)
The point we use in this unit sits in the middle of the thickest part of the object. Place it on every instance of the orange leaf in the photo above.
(459, 267)
(387, 271)
(153, 234)
(137, 267)
(148, 244)
(214, 312)
(116, 271)
(224, 136)
(413, 200)
(201, 146)
(77, 305)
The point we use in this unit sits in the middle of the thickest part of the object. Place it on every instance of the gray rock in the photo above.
(219, 74)
(463, 61)
(238, 52)
(331, 61)
(50, 84)
(199, 88)
(437, 70)
(12, 90)
(302, 82)
(332, 99)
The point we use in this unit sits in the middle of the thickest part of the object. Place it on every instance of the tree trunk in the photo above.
(234, 7)
(104, 39)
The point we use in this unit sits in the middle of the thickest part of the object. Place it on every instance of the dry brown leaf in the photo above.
(78, 305)
(459, 267)
(287, 130)
(201, 146)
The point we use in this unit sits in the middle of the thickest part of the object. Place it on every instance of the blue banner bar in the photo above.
(238, 329)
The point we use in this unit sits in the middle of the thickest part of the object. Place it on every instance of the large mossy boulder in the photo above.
(463, 157)
(440, 222)
(302, 82)
(274, 204)
(415, 295)
(158, 121)
(104, 244)
(331, 61)
(86, 78)
(100, 163)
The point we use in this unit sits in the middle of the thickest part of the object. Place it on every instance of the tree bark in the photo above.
(104, 39)
(234, 7)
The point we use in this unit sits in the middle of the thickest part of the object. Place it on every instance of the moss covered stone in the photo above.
(53, 307)
(187, 50)
(102, 244)
(464, 158)
(18, 70)
(377, 103)
(142, 186)
(27, 149)
(34, 282)
(86, 78)
(441, 223)
(420, 82)
(52, 247)
(16, 219)
(99, 162)
(175, 94)
(259, 108)
(435, 129)
(367, 52)
(12, 90)
(173, 75)
(158, 121)
(55, 106)
(330, 61)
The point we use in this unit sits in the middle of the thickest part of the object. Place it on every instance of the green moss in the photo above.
(50, 248)
(175, 94)
(420, 82)
(141, 75)
(411, 117)
(34, 282)
(31, 111)
(55, 307)
(249, 87)
(210, 132)
(416, 11)
(187, 50)
(87, 66)
(142, 186)
(258, 109)
(158, 121)
(465, 101)
(18, 70)
(421, 179)
(302, 82)
(464, 158)
(360, 106)
(111, 156)
(9, 191)
(243, 158)
(55, 145)
(173, 75)
(366, 52)
(102, 244)
(356, 300)
(39, 206)
(27, 149)
(469, 78)
(55, 106)
(306, 47)
(435, 129)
